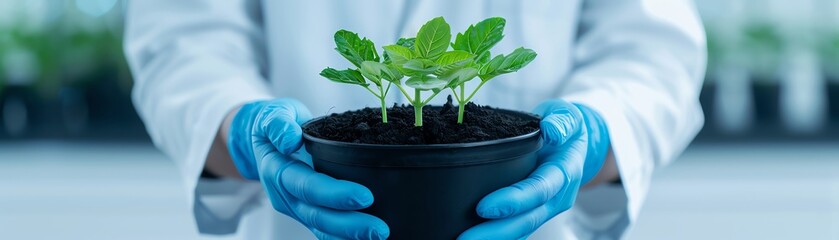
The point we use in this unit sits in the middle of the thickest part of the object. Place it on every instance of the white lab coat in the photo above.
(639, 63)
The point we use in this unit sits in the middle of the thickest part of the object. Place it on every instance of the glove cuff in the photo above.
(598, 142)
(239, 142)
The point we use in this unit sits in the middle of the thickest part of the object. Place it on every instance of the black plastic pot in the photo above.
(428, 192)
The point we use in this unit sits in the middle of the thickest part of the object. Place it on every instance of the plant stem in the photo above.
(408, 96)
(475, 91)
(417, 108)
(460, 108)
(374, 93)
(387, 90)
(429, 98)
(384, 111)
(461, 104)
(454, 92)
(462, 86)
(384, 107)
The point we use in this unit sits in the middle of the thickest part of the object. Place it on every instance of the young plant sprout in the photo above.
(428, 64)
(477, 40)
(362, 53)
(421, 59)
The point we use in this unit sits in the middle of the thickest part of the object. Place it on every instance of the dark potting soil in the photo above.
(480, 123)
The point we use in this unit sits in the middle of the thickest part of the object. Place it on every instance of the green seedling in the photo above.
(477, 40)
(427, 63)
(362, 53)
(419, 59)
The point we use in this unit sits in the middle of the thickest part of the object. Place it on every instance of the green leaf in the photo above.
(433, 38)
(349, 76)
(394, 75)
(399, 54)
(406, 42)
(492, 65)
(355, 49)
(517, 60)
(452, 61)
(372, 71)
(513, 62)
(426, 82)
(480, 37)
(417, 67)
(460, 76)
(454, 57)
(375, 72)
(483, 58)
(386, 58)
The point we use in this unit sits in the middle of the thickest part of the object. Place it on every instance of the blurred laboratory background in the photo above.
(76, 163)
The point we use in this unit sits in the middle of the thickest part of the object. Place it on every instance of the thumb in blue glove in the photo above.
(576, 142)
(265, 137)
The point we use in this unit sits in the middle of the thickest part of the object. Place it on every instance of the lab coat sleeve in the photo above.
(640, 65)
(193, 61)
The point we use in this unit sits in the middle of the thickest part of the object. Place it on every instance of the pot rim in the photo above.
(423, 146)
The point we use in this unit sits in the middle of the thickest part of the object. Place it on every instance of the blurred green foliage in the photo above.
(757, 47)
(828, 48)
(763, 44)
(73, 50)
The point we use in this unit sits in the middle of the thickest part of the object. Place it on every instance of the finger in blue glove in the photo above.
(264, 137)
(517, 211)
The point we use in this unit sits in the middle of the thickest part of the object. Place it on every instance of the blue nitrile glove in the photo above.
(264, 140)
(576, 143)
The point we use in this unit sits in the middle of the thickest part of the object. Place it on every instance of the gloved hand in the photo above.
(575, 145)
(264, 140)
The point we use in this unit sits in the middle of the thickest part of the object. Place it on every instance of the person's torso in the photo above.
(299, 38)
